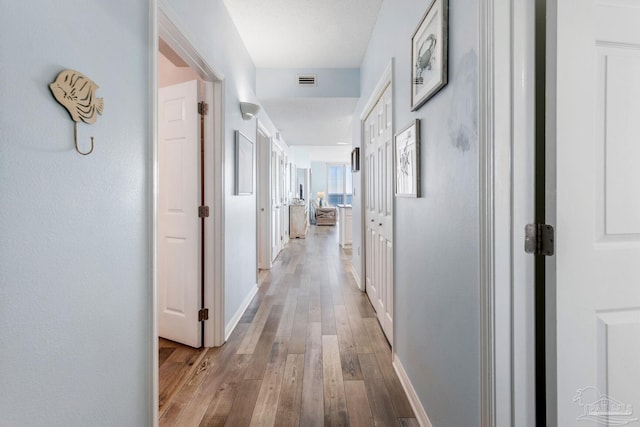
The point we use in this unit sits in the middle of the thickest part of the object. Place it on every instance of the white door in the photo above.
(179, 228)
(378, 154)
(598, 212)
(276, 202)
(264, 201)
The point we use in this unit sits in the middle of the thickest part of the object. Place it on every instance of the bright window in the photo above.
(339, 184)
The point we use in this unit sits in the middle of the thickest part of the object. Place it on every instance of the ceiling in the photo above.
(312, 121)
(307, 34)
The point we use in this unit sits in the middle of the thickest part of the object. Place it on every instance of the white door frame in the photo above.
(385, 80)
(163, 25)
(506, 146)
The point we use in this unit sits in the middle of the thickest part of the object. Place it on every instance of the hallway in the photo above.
(308, 351)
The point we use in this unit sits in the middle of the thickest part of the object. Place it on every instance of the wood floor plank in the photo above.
(358, 404)
(298, 340)
(369, 366)
(264, 413)
(257, 325)
(240, 415)
(221, 402)
(380, 403)
(408, 422)
(348, 350)
(327, 314)
(288, 313)
(335, 401)
(312, 407)
(392, 382)
(288, 413)
(262, 350)
(203, 378)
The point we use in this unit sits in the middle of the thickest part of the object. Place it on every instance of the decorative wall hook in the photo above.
(75, 92)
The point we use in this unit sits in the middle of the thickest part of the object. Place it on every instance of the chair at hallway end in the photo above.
(325, 215)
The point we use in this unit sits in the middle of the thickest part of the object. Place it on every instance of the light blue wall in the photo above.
(331, 82)
(318, 178)
(436, 236)
(209, 27)
(75, 344)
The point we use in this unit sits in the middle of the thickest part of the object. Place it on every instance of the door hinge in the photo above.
(203, 108)
(203, 211)
(203, 314)
(539, 239)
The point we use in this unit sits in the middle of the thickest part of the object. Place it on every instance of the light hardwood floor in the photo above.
(307, 352)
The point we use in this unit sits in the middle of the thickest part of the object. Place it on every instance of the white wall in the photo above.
(210, 28)
(436, 236)
(75, 315)
(169, 74)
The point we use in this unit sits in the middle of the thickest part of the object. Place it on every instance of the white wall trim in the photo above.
(153, 203)
(228, 330)
(486, 226)
(356, 277)
(416, 405)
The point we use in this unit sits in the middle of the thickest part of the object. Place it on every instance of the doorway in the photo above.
(173, 47)
(378, 202)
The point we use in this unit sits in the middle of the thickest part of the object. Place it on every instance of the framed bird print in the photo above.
(429, 54)
(407, 160)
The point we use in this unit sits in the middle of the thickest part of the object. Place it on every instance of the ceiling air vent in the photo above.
(307, 80)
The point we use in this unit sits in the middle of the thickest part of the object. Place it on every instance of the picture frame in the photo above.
(429, 54)
(355, 159)
(406, 149)
(243, 165)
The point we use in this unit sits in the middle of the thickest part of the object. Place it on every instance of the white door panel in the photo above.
(598, 211)
(179, 228)
(378, 152)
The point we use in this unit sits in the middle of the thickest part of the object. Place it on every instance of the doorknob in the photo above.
(380, 224)
(372, 220)
(262, 209)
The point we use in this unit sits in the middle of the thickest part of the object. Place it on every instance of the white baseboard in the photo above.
(418, 409)
(356, 276)
(238, 315)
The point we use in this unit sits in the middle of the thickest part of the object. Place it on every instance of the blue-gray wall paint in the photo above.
(209, 27)
(75, 287)
(436, 236)
(331, 82)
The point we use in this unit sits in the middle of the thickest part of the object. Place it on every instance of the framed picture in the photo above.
(406, 145)
(429, 54)
(244, 165)
(355, 159)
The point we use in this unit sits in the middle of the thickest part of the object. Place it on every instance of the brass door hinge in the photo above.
(203, 211)
(539, 239)
(203, 314)
(203, 108)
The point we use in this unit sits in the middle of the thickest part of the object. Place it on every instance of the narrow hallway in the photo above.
(308, 351)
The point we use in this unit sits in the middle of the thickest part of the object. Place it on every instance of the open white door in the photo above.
(598, 212)
(378, 169)
(179, 227)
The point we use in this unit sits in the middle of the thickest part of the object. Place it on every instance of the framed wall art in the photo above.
(244, 165)
(429, 54)
(407, 160)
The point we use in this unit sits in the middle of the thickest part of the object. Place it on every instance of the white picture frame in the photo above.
(429, 51)
(244, 165)
(406, 148)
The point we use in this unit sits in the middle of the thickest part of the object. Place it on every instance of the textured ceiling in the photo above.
(312, 121)
(305, 33)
